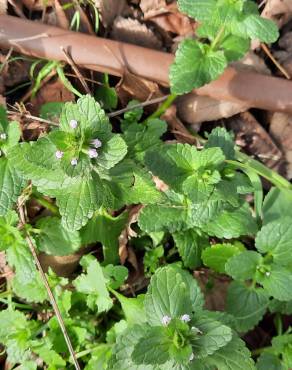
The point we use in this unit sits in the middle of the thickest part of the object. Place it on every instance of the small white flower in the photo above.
(192, 356)
(96, 143)
(185, 318)
(92, 153)
(73, 123)
(3, 136)
(166, 320)
(198, 331)
(59, 154)
(74, 162)
(268, 273)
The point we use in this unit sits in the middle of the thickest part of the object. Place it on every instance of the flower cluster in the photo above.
(91, 151)
(185, 318)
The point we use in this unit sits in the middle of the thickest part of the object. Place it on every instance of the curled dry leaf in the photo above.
(3, 6)
(110, 9)
(255, 140)
(151, 8)
(132, 31)
(281, 131)
(278, 10)
(135, 87)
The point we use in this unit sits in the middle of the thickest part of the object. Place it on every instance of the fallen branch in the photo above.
(104, 55)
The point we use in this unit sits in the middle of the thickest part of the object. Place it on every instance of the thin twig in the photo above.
(54, 304)
(33, 118)
(76, 70)
(85, 78)
(277, 64)
(140, 105)
(35, 37)
(8, 55)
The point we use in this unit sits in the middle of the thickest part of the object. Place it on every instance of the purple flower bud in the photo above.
(166, 320)
(73, 123)
(59, 154)
(74, 162)
(192, 356)
(92, 153)
(96, 143)
(185, 318)
(3, 136)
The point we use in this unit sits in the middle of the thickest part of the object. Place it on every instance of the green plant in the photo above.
(225, 30)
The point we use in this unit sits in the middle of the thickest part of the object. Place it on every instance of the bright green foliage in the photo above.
(11, 183)
(105, 229)
(247, 304)
(271, 268)
(190, 246)
(152, 258)
(277, 203)
(54, 239)
(279, 356)
(228, 26)
(204, 192)
(95, 282)
(217, 255)
(177, 329)
(26, 282)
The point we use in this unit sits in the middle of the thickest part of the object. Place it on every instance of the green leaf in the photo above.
(79, 200)
(269, 361)
(13, 135)
(220, 138)
(3, 118)
(116, 275)
(232, 223)
(113, 151)
(167, 295)
(90, 117)
(214, 336)
(132, 184)
(275, 238)
(217, 255)
(195, 65)
(107, 97)
(153, 348)
(122, 351)
(278, 202)
(200, 10)
(26, 283)
(141, 137)
(190, 246)
(47, 354)
(15, 333)
(235, 47)
(261, 28)
(284, 308)
(105, 229)
(28, 365)
(54, 239)
(244, 265)
(9, 234)
(277, 283)
(233, 356)
(247, 305)
(99, 358)
(11, 184)
(94, 284)
(133, 308)
(51, 110)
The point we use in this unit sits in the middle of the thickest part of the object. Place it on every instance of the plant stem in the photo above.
(217, 39)
(47, 204)
(247, 163)
(19, 305)
(163, 107)
(259, 351)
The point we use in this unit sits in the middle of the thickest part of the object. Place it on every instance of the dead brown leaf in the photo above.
(132, 31)
(134, 87)
(110, 9)
(37, 5)
(255, 140)
(53, 91)
(152, 8)
(3, 6)
(278, 10)
(281, 131)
